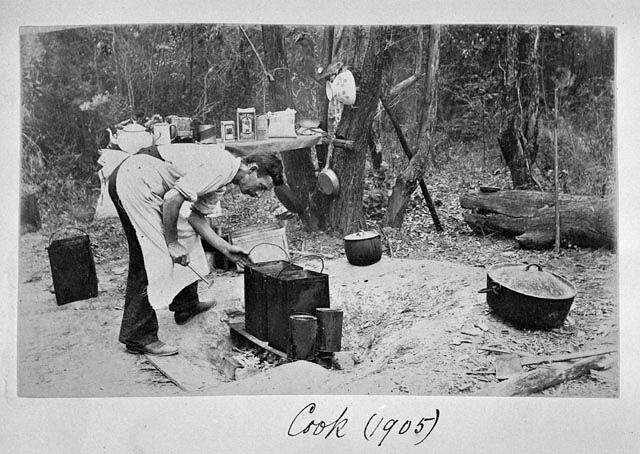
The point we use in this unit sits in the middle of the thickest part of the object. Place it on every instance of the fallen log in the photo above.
(537, 380)
(530, 217)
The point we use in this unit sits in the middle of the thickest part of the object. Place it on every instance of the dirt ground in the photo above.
(413, 326)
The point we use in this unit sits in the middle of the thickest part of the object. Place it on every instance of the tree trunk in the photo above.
(349, 165)
(429, 100)
(520, 113)
(408, 180)
(318, 202)
(530, 216)
(297, 164)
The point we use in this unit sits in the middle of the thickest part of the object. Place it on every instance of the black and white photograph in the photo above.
(429, 219)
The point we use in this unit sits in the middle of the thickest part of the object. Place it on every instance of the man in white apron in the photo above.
(150, 190)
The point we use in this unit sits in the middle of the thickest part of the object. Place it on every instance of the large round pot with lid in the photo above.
(528, 296)
(363, 247)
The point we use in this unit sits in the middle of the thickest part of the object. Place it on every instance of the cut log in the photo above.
(530, 217)
(539, 379)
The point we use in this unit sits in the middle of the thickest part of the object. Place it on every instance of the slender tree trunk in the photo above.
(429, 99)
(298, 166)
(411, 176)
(349, 165)
(518, 136)
(319, 203)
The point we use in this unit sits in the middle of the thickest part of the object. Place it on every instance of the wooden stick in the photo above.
(267, 73)
(564, 357)
(555, 172)
(536, 380)
(340, 143)
(409, 153)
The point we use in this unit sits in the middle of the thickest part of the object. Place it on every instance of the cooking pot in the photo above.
(131, 138)
(363, 247)
(528, 296)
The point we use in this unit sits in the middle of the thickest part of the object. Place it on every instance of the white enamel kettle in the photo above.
(131, 138)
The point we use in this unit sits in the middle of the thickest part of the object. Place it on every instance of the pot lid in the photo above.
(532, 280)
(134, 127)
(361, 235)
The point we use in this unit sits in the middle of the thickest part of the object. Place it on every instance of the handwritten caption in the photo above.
(375, 429)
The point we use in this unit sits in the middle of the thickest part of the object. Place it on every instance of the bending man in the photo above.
(149, 190)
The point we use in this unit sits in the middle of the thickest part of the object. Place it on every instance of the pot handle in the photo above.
(495, 288)
(533, 264)
(293, 262)
(329, 155)
(361, 222)
(269, 244)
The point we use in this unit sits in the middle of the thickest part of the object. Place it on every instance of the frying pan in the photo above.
(327, 179)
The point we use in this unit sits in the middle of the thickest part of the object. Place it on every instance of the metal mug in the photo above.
(164, 133)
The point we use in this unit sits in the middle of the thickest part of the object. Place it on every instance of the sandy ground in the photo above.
(414, 327)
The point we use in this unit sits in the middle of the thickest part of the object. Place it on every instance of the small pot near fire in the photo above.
(363, 247)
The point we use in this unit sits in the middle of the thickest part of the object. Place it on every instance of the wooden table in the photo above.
(274, 145)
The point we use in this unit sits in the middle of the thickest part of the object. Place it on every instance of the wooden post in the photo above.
(555, 171)
(409, 153)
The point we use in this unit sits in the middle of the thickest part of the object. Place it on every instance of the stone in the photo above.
(344, 360)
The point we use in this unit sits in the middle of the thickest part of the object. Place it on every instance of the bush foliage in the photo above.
(76, 82)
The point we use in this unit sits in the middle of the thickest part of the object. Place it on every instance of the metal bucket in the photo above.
(303, 330)
(72, 268)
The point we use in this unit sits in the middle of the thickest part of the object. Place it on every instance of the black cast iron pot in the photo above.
(363, 248)
(528, 296)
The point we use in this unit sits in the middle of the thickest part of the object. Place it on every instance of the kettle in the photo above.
(131, 138)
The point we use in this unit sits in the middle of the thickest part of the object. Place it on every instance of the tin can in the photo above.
(72, 268)
(206, 134)
(262, 127)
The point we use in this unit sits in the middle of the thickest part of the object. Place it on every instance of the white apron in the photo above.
(141, 184)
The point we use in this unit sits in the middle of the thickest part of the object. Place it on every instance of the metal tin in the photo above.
(206, 134)
(292, 292)
(258, 277)
(72, 268)
(329, 329)
(262, 127)
(303, 329)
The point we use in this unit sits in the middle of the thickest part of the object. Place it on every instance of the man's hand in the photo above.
(237, 255)
(178, 253)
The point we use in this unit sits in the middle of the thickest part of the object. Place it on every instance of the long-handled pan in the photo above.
(327, 179)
